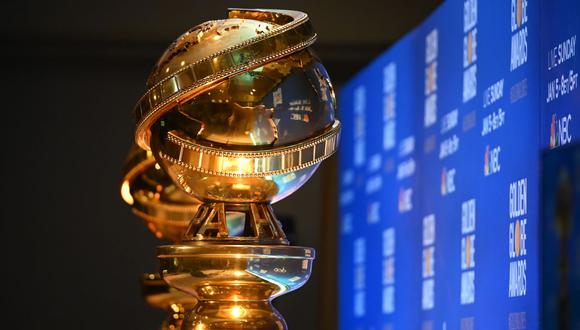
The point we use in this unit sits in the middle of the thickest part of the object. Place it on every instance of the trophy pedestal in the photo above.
(234, 284)
(160, 295)
(221, 314)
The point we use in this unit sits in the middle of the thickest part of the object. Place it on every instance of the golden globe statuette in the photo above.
(239, 113)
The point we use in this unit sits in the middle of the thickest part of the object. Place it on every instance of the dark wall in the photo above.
(72, 251)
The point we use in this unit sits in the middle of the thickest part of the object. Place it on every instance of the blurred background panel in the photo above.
(73, 252)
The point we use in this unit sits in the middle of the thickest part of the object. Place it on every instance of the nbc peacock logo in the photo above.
(486, 161)
(443, 181)
(428, 262)
(447, 181)
(470, 48)
(468, 252)
(389, 107)
(553, 135)
(491, 160)
(431, 78)
(560, 132)
(405, 203)
(519, 11)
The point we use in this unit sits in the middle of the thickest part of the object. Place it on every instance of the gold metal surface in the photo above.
(238, 114)
(158, 294)
(251, 163)
(235, 283)
(154, 198)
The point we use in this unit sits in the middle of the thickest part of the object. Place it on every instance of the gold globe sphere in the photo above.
(278, 104)
(239, 113)
(264, 116)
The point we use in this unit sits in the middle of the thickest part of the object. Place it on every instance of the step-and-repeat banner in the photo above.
(440, 166)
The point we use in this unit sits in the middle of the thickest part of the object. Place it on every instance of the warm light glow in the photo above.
(175, 308)
(126, 193)
(240, 186)
(238, 273)
(237, 165)
(237, 312)
(244, 164)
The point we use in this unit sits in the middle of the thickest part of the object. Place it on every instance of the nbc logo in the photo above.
(447, 181)
(405, 200)
(470, 55)
(491, 163)
(347, 223)
(389, 107)
(431, 79)
(559, 131)
(373, 212)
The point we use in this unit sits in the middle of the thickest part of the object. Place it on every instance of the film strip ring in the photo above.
(294, 35)
(239, 164)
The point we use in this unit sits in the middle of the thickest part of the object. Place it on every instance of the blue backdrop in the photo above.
(439, 164)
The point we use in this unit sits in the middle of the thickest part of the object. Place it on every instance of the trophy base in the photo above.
(160, 295)
(252, 315)
(234, 284)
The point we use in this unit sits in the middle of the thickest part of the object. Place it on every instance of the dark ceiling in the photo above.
(337, 22)
(350, 32)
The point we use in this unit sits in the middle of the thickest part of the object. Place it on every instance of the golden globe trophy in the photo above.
(239, 113)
